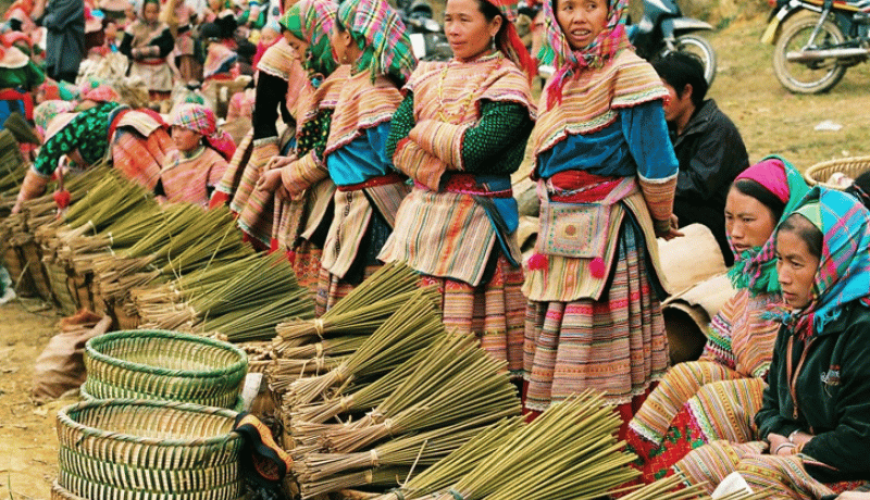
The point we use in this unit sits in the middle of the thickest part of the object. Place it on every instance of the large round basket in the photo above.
(819, 173)
(148, 450)
(155, 364)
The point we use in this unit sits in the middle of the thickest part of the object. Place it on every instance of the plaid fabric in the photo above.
(47, 110)
(312, 20)
(382, 35)
(844, 269)
(611, 40)
(756, 269)
(201, 120)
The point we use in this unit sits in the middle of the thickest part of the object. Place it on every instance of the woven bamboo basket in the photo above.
(819, 173)
(155, 364)
(58, 280)
(38, 276)
(148, 450)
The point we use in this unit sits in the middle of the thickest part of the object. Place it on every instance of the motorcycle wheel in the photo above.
(702, 49)
(807, 78)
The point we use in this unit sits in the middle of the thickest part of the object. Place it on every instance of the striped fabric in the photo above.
(590, 102)
(278, 60)
(254, 206)
(306, 264)
(232, 178)
(616, 344)
(726, 410)
(189, 178)
(353, 213)
(141, 158)
(363, 105)
(784, 477)
(448, 234)
(493, 312)
(442, 234)
(739, 325)
(659, 196)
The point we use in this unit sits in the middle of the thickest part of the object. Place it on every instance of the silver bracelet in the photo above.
(783, 445)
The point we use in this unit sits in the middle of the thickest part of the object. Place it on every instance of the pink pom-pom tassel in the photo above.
(537, 262)
(596, 267)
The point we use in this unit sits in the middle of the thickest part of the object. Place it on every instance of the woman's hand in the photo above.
(800, 438)
(780, 445)
(280, 162)
(269, 180)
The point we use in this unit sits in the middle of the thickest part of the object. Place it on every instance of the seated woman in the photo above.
(192, 172)
(135, 140)
(814, 425)
(676, 417)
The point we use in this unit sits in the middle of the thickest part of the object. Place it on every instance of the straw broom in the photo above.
(382, 477)
(449, 470)
(259, 324)
(665, 489)
(413, 327)
(458, 382)
(286, 371)
(362, 311)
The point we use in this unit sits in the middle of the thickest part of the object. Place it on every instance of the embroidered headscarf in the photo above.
(382, 36)
(45, 112)
(201, 120)
(312, 21)
(843, 275)
(571, 62)
(755, 269)
(103, 93)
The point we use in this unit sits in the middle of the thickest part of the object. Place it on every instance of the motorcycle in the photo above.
(816, 42)
(427, 38)
(664, 29)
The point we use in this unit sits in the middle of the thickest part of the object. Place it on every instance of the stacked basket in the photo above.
(147, 450)
(155, 364)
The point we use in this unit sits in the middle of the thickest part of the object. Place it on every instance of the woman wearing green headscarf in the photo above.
(369, 36)
(303, 190)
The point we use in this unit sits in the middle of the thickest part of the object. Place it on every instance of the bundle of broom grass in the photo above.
(569, 452)
(453, 467)
(320, 473)
(243, 300)
(416, 325)
(457, 382)
(361, 312)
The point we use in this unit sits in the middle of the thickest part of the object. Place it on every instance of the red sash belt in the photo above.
(383, 180)
(582, 187)
(467, 184)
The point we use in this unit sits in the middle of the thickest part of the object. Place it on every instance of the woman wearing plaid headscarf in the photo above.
(606, 176)
(812, 432)
(304, 190)
(199, 163)
(370, 37)
(459, 134)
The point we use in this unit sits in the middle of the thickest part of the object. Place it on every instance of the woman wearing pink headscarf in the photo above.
(686, 409)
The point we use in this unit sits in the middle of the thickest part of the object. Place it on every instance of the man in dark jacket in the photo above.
(707, 144)
(65, 42)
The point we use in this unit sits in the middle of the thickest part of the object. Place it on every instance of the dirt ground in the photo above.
(28, 443)
(770, 119)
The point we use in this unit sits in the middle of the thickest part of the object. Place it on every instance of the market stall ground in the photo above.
(28, 444)
(771, 120)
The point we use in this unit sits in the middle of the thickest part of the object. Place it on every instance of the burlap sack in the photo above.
(688, 314)
(61, 365)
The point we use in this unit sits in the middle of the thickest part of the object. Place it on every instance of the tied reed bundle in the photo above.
(321, 473)
(123, 232)
(363, 398)
(339, 346)
(258, 323)
(108, 201)
(666, 489)
(361, 312)
(20, 129)
(415, 326)
(284, 372)
(382, 477)
(458, 382)
(569, 452)
(449, 470)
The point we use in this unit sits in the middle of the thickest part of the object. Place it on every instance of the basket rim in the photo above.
(93, 344)
(812, 169)
(238, 407)
(64, 418)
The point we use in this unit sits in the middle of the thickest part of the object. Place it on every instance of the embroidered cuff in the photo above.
(659, 198)
(419, 165)
(266, 140)
(444, 140)
(302, 174)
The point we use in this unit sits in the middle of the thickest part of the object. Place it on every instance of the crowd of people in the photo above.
(358, 155)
